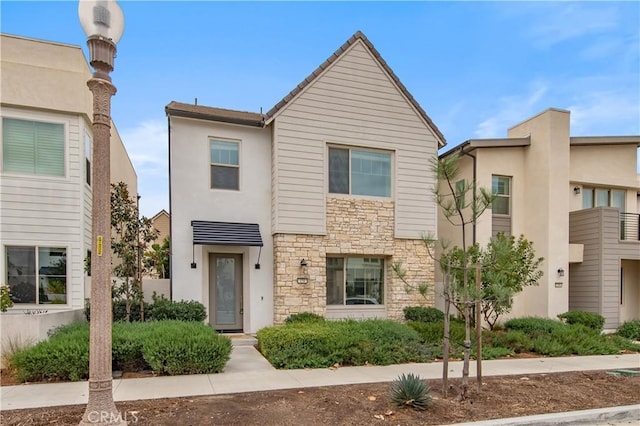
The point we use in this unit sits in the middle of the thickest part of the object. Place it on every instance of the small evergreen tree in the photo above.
(158, 258)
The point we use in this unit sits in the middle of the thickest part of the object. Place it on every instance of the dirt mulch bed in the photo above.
(365, 404)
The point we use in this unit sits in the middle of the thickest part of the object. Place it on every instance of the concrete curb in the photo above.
(625, 413)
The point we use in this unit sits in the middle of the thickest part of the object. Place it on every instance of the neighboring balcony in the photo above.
(629, 227)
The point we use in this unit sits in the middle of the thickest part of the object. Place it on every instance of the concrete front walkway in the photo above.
(248, 371)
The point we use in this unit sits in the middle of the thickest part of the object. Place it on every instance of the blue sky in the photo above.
(476, 68)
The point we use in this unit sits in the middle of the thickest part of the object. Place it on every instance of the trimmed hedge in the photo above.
(161, 309)
(304, 317)
(424, 314)
(588, 319)
(185, 348)
(166, 347)
(349, 342)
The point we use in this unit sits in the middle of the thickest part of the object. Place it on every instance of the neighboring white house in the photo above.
(576, 199)
(304, 208)
(45, 177)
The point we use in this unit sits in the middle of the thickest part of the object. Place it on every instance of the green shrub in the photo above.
(65, 356)
(323, 344)
(623, 343)
(630, 330)
(424, 314)
(165, 309)
(127, 341)
(304, 317)
(119, 307)
(410, 391)
(193, 348)
(574, 340)
(185, 347)
(515, 340)
(589, 319)
(533, 326)
(493, 352)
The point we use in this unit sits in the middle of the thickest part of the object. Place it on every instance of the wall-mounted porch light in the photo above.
(561, 272)
(576, 190)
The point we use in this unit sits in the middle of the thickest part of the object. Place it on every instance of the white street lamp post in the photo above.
(103, 23)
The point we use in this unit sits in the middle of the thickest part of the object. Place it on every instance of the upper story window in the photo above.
(88, 152)
(603, 197)
(32, 147)
(225, 165)
(37, 275)
(359, 172)
(501, 188)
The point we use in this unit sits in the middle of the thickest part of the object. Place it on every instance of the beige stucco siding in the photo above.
(353, 103)
(36, 73)
(604, 165)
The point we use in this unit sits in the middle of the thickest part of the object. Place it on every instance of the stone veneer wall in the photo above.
(360, 227)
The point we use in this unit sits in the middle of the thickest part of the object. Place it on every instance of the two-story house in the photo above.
(45, 177)
(304, 208)
(576, 198)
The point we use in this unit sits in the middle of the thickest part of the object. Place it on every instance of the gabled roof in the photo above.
(160, 213)
(179, 109)
(358, 36)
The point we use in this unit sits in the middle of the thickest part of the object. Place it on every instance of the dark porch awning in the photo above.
(226, 233)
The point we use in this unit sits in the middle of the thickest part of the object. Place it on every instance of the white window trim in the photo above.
(503, 196)
(40, 117)
(211, 139)
(36, 306)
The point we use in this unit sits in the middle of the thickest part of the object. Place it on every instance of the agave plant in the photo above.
(410, 390)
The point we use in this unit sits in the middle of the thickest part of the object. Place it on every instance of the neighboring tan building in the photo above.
(304, 208)
(45, 173)
(161, 222)
(576, 199)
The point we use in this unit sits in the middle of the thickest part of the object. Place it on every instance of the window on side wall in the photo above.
(37, 275)
(32, 147)
(88, 152)
(359, 172)
(355, 281)
(501, 188)
(225, 165)
(603, 197)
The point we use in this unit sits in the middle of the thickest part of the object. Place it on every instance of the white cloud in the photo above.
(617, 111)
(549, 23)
(510, 110)
(146, 144)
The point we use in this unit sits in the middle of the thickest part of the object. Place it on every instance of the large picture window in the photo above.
(37, 275)
(32, 147)
(355, 281)
(225, 165)
(501, 188)
(359, 172)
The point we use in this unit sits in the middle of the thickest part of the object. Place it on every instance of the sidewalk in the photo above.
(248, 371)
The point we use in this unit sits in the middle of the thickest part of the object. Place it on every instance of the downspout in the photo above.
(170, 210)
(462, 151)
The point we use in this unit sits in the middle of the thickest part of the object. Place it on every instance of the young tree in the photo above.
(461, 203)
(158, 258)
(131, 235)
(509, 265)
